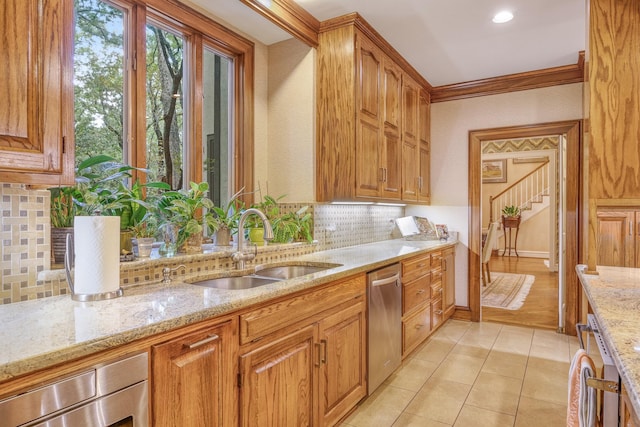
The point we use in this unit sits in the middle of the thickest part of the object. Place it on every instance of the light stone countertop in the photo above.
(614, 295)
(40, 333)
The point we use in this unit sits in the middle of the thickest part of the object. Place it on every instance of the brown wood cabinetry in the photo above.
(449, 281)
(424, 171)
(361, 153)
(628, 417)
(36, 135)
(309, 369)
(193, 378)
(410, 140)
(618, 237)
(425, 283)
(377, 134)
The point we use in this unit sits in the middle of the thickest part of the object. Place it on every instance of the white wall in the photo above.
(450, 125)
(292, 119)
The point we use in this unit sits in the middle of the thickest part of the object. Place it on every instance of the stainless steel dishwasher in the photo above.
(384, 296)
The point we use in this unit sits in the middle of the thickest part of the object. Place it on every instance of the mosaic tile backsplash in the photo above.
(26, 243)
(25, 232)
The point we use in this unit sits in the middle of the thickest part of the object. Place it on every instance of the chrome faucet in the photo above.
(240, 257)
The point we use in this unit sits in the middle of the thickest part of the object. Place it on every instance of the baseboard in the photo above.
(526, 254)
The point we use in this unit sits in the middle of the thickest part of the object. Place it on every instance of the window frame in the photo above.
(197, 29)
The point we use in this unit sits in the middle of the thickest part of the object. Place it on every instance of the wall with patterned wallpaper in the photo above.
(25, 231)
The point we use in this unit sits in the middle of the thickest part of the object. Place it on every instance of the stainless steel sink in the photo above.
(239, 282)
(285, 272)
(264, 276)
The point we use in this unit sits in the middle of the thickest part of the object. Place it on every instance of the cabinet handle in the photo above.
(385, 174)
(444, 265)
(419, 326)
(419, 183)
(319, 348)
(324, 351)
(420, 292)
(421, 265)
(439, 312)
(202, 342)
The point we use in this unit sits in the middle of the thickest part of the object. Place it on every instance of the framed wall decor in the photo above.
(494, 171)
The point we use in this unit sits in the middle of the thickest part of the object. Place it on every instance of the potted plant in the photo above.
(225, 220)
(62, 212)
(145, 232)
(293, 226)
(255, 227)
(511, 216)
(188, 212)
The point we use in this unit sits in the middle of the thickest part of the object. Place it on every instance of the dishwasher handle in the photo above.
(387, 281)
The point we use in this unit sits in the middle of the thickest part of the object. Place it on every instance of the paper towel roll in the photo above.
(97, 254)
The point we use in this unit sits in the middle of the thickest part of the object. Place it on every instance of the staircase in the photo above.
(530, 193)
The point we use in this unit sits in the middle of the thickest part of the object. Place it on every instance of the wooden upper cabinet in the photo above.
(36, 115)
(369, 156)
(617, 237)
(410, 146)
(361, 116)
(424, 126)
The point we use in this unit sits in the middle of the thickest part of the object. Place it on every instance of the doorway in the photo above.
(522, 174)
(568, 291)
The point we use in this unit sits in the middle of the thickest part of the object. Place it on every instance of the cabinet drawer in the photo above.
(436, 312)
(436, 259)
(415, 293)
(415, 329)
(272, 317)
(415, 267)
(436, 289)
(436, 275)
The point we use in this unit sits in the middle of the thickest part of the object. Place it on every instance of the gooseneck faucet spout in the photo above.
(240, 257)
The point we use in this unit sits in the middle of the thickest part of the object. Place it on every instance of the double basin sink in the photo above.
(265, 275)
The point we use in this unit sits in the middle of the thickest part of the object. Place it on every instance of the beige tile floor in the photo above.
(476, 375)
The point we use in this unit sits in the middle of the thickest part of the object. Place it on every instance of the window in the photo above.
(175, 99)
(99, 79)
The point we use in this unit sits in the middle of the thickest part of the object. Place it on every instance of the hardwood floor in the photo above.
(540, 309)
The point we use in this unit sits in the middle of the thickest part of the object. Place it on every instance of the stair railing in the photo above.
(521, 193)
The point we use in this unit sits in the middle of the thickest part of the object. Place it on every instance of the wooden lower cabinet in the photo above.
(277, 381)
(312, 371)
(343, 363)
(449, 281)
(628, 418)
(428, 295)
(193, 378)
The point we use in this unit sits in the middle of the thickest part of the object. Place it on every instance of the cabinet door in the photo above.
(193, 379)
(410, 147)
(277, 382)
(342, 362)
(391, 155)
(449, 281)
(424, 123)
(369, 169)
(616, 240)
(36, 110)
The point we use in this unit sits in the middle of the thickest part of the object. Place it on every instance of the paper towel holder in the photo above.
(83, 297)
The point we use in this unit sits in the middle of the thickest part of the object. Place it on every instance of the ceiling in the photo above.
(447, 41)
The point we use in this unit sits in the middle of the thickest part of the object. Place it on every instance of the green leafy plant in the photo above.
(188, 210)
(293, 226)
(511, 210)
(229, 215)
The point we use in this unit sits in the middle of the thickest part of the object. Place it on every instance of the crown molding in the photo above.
(555, 76)
(289, 16)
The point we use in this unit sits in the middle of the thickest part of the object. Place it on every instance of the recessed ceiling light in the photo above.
(502, 17)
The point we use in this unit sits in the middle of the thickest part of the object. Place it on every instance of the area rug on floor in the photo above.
(507, 290)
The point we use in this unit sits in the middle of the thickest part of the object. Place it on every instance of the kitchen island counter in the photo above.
(41, 333)
(614, 295)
